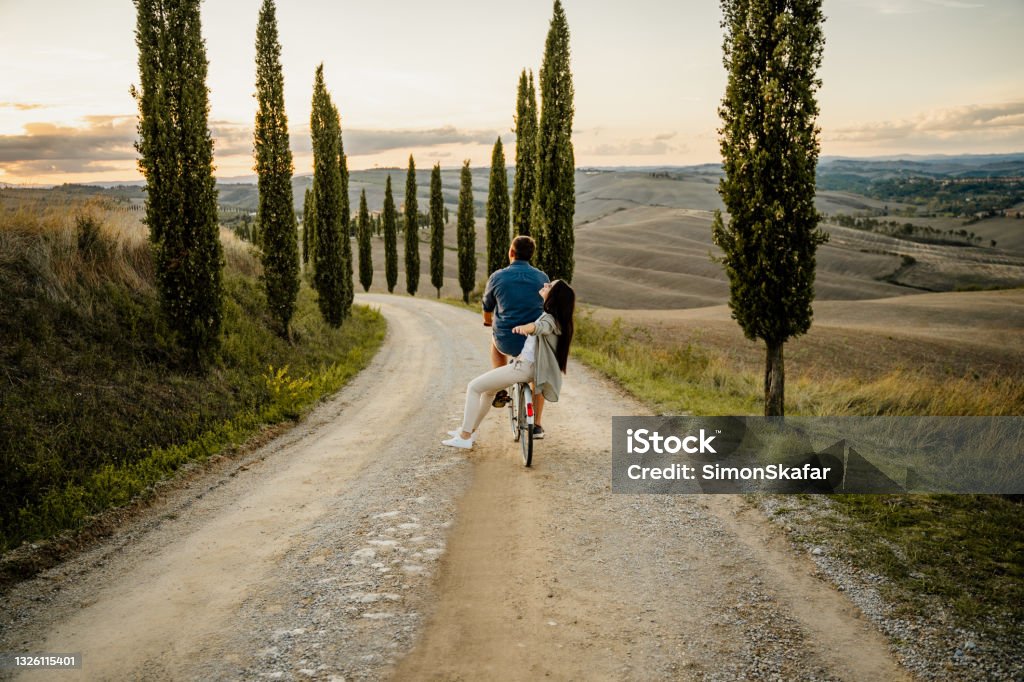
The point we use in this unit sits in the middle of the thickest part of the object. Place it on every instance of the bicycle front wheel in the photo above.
(513, 413)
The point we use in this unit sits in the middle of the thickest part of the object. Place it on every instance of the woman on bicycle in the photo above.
(542, 361)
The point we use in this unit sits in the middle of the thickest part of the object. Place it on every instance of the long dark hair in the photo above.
(561, 303)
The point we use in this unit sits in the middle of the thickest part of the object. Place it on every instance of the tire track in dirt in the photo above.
(549, 574)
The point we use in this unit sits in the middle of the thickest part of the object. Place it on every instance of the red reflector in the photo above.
(529, 409)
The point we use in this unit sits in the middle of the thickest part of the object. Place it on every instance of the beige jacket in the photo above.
(547, 375)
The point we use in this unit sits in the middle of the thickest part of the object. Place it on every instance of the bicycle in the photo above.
(520, 416)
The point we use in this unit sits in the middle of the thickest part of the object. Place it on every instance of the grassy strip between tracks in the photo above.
(97, 404)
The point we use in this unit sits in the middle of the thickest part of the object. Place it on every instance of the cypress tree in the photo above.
(278, 236)
(769, 142)
(466, 234)
(524, 184)
(554, 204)
(176, 158)
(156, 149)
(328, 268)
(412, 232)
(312, 230)
(498, 237)
(436, 230)
(363, 235)
(346, 229)
(308, 238)
(390, 220)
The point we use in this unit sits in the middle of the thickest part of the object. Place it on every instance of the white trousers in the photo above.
(480, 391)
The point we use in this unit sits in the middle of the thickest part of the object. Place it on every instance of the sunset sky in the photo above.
(438, 80)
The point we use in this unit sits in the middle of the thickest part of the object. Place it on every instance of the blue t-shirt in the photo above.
(513, 295)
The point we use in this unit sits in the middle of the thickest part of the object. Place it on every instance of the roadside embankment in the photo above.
(98, 404)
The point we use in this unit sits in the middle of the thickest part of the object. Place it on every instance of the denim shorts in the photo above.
(498, 343)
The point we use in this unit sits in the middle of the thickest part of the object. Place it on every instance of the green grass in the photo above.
(672, 378)
(961, 553)
(964, 550)
(97, 402)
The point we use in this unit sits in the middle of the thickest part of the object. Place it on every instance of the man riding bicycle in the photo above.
(511, 300)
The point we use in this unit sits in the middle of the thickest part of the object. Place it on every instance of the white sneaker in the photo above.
(456, 442)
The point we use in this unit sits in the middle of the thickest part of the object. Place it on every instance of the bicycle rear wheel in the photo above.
(525, 431)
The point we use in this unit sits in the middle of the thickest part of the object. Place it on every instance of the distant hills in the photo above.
(643, 236)
(871, 177)
(928, 165)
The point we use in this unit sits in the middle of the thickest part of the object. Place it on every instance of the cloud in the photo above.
(21, 106)
(656, 146)
(919, 6)
(56, 166)
(233, 138)
(361, 142)
(45, 148)
(104, 138)
(965, 123)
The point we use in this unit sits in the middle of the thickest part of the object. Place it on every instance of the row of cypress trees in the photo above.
(544, 193)
(465, 235)
(543, 201)
(410, 220)
(176, 159)
(176, 151)
(769, 142)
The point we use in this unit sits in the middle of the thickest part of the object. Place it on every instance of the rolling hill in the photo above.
(644, 235)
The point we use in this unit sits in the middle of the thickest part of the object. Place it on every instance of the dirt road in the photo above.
(357, 547)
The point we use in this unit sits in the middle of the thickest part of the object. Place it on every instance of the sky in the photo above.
(438, 80)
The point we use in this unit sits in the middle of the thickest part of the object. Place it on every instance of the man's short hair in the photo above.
(523, 247)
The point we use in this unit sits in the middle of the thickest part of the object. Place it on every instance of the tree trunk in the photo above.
(774, 380)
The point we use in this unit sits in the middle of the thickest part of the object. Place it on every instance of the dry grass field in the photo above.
(883, 305)
(943, 336)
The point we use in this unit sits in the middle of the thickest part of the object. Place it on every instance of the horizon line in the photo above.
(248, 179)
